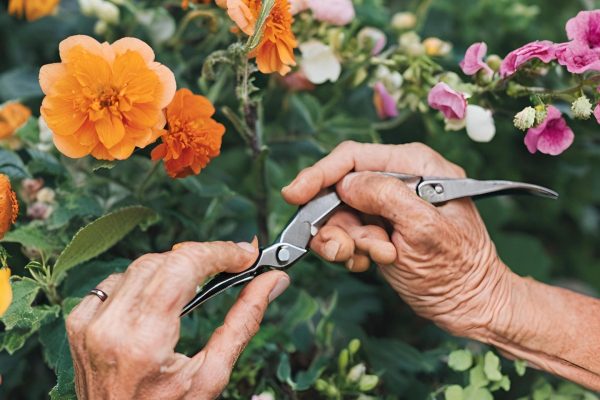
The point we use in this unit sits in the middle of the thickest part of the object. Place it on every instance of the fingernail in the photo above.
(331, 249)
(177, 246)
(285, 188)
(247, 246)
(279, 288)
(350, 264)
(254, 242)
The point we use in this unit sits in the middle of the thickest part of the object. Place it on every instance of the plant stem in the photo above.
(140, 190)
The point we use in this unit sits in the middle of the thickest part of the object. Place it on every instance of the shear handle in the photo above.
(220, 283)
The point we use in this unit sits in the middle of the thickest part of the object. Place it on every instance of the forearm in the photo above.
(554, 329)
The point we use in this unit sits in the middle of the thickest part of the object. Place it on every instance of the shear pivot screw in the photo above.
(283, 254)
(438, 189)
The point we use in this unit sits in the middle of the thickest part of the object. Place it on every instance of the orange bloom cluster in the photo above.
(12, 117)
(32, 9)
(275, 53)
(105, 100)
(9, 207)
(192, 137)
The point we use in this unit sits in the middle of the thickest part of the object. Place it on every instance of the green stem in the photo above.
(142, 187)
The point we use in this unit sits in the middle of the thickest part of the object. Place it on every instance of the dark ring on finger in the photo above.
(100, 294)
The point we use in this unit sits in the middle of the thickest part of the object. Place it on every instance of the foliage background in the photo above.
(305, 330)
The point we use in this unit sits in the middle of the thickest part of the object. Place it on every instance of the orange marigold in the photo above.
(275, 53)
(103, 99)
(192, 138)
(9, 207)
(32, 9)
(12, 117)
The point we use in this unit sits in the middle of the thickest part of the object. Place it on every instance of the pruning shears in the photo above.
(293, 242)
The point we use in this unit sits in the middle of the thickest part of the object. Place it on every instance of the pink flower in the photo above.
(543, 50)
(385, 104)
(451, 103)
(373, 39)
(585, 28)
(297, 82)
(577, 57)
(335, 12)
(473, 61)
(552, 136)
(297, 6)
(597, 113)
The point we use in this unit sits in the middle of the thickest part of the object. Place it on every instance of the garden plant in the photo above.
(128, 126)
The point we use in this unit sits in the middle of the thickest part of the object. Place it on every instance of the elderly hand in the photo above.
(440, 260)
(124, 348)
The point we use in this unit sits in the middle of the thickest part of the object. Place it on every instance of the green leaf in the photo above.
(58, 355)
(19, 83)
(520, 367)
(453, 392)
(503, 383)
(255, 39)
(460, 360)
(33, 236)
(477, 393)
(21, 320)
(12, 165)
(477, 377)
(303, 310)
(43, 162)
(284, 370)
(100, 235)
(491, 366)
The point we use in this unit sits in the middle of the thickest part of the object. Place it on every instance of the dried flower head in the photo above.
(525, 118)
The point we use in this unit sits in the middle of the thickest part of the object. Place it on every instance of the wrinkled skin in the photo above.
(124, 348)
(440, 260)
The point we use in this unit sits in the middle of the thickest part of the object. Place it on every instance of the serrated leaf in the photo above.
(32, 236)
(460, 360)
(491, 367)
(21, 320)
(98, 236)
(453, 392)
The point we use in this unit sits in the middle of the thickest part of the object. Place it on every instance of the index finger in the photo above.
(189, 265)
(352, 156)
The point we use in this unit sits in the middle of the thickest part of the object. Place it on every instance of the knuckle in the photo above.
(347, 145)
(74, 324)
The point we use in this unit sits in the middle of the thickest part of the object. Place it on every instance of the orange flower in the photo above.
(12, 117)
(275, 53)
(105, 100)
(33, 9)
(6, 294)
(9, 207)
(192, 137)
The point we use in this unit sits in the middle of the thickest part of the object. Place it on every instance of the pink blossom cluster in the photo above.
(580, 54)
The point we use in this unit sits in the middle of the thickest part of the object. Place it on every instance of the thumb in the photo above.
(385, 196)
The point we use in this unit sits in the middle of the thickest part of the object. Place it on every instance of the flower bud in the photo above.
(494, 62)
(354, 346)
(39, 210)
(100, 28)
(525, 118)
(540, 113)
(356, 373)
(45, 195)
(30, 188)
(343, 360)
(410, 42)
(368, 382)
(321, 385)
(436, 47)
(582, 108)
(88, 7)
(404, 20)
(108, 12)
(372, 39)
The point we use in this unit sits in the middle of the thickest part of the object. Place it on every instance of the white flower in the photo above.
(108, 12)
(411, 43)
(525, 118)
(582, 108)
(89, 7)
(480, 124)
(404, 20)
(159, 24)
(100, 28)
(45, 143)
(392, 80)
(319, 63)
(263, 396)
(454, 124)
(45, 195)
(356, 372)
